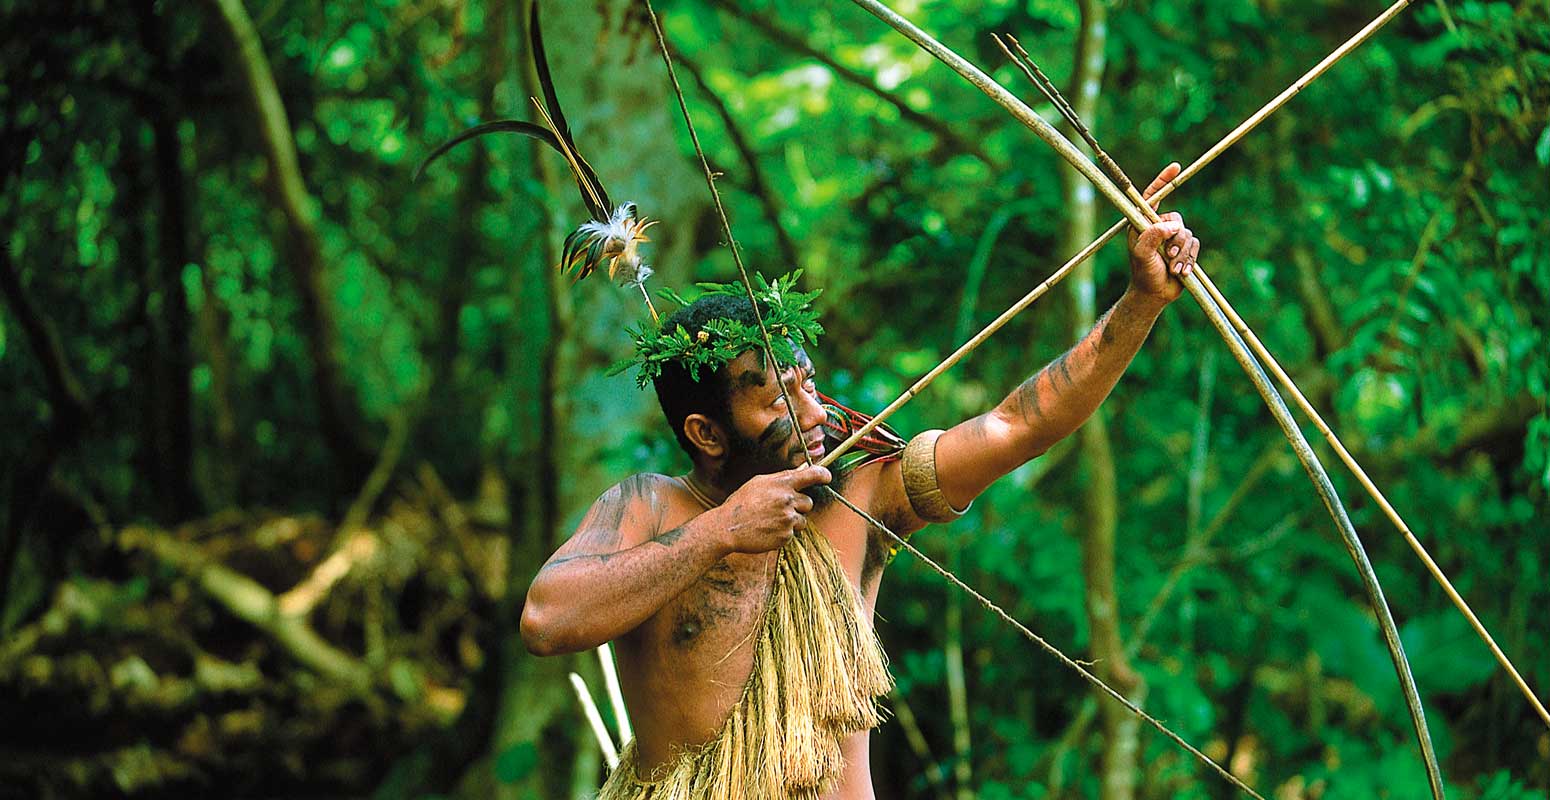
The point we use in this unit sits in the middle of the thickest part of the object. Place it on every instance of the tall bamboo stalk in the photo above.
(1140, 215)
(605, 658)
(1190, 171)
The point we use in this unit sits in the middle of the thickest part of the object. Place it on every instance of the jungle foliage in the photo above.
(288, 435)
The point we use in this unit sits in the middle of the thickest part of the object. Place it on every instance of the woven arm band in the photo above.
(920, 480)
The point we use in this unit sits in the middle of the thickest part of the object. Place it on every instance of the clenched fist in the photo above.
(1152, 272)
(764, 512)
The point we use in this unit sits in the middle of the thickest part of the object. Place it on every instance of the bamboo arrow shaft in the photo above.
(1188, 172)
(1140, 216)
(966, 348)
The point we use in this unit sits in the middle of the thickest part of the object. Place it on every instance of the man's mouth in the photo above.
(815, 447)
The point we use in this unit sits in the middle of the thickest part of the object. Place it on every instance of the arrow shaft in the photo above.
(1188, 172)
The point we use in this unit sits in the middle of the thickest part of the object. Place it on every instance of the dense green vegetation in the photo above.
(217, 353)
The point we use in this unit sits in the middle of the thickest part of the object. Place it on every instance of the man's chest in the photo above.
(721, 610)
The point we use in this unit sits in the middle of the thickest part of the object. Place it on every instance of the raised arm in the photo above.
(619, 568)
(1058, 398)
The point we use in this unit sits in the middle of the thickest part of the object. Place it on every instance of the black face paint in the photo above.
(779, 430)
(749, 457)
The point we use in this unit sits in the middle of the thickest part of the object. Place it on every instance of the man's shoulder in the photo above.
(645, 485)
(879, 484)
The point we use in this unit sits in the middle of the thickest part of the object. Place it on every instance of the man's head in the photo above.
(733, 421)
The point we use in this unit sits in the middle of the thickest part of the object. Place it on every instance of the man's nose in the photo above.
(810, 412)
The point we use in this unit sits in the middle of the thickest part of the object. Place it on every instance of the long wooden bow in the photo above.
(1140, 213)
(1253, 341)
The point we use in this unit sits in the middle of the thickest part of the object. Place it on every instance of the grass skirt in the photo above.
(817, 673)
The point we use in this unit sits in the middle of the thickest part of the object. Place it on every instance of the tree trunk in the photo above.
(173, 413)
(338, 413)
(212, 482)
(1100, 501)
(611, 82)
(68, 408)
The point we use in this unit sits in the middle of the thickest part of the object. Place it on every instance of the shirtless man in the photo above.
(680, 589)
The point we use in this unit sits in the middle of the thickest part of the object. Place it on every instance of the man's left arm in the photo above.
(1060, 397)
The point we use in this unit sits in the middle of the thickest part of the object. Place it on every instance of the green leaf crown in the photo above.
(788, 315)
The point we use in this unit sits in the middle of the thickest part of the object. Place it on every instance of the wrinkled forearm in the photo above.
(1048, 406)
(578, 602)
(1060, 397)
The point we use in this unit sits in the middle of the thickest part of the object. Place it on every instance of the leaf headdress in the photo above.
(787, 312)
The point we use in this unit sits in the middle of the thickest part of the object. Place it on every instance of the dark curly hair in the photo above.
(681, 395)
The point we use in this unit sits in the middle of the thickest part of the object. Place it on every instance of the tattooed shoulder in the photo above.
(637, 498)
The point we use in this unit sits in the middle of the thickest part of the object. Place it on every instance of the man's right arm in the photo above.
(618, 568)
(615, 571)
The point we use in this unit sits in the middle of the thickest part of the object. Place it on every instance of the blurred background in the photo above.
(288, 434)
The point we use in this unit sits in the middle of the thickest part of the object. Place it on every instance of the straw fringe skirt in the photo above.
(817, 673)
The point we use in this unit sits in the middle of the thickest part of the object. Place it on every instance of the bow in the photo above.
(1235, 332)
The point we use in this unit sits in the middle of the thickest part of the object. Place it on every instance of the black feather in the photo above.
(561, 127)
(572, 249)
(538, 132)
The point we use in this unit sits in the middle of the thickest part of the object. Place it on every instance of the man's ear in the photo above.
(706, 434)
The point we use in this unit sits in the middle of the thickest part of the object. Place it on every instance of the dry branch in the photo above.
(336, 405)
(250, 602)
(757, 183)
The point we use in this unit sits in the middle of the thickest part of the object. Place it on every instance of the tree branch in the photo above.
(337, 409)
(68, 405)
(793, 41)
(757, 183)
(250, 602)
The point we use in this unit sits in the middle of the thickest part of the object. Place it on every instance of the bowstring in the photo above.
(945, 573)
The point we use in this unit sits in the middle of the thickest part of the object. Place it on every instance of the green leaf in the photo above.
(1445, 654)
(1542, 148)
(516, 762)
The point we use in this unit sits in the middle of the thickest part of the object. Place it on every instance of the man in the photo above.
(682, 573)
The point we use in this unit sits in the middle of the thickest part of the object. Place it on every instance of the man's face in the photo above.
(762, 439)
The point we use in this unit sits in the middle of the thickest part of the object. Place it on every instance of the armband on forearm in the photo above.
(920, 480)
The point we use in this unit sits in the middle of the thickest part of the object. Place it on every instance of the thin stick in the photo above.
(726, 227)
(650, 306)
(964, 349)
(570, 155)
(605, 657)
(1056, 100)
(595, 721)
(1140, 216)
(1047, 86)
(1190, 171)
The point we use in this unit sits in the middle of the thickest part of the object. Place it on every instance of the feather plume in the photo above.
(613, 235)
(616, 241)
